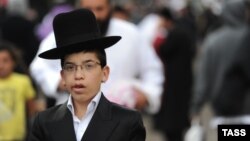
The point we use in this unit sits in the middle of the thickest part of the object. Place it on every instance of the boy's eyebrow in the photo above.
(89, 60)
(86, 61)
(68, 63)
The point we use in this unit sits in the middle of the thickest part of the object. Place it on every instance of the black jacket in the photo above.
(110, 122)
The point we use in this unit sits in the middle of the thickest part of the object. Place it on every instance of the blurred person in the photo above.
(219, 80)
(20, 31)
(153, 30)
(186, 20)
(49, 80)
(17, 7)
(145, 91)
(132, 82)
(238, 75)
(121, 12)
(177, 54)
(150, 27)
(45, 27)
(2, 15)
(38, 8)
(42, 31)
(16, 92)
(208, 22)
(87, 115)
(207, 14)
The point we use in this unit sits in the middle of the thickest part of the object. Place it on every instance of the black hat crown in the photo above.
(75, 31)
(71, 28)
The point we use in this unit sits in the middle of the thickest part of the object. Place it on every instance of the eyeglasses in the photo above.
(86, 67)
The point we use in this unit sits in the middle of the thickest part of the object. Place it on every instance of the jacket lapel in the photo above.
(102, 124)
(64, 122)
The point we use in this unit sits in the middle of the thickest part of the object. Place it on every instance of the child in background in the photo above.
(15, 92)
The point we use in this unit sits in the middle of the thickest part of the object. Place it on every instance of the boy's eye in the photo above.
(69, 67)
(89, 66)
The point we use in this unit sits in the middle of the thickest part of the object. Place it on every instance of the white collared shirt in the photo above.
(80, 125)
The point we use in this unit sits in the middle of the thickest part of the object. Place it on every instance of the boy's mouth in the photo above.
(78, 86)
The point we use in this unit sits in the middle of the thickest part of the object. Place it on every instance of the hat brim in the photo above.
(59, 52)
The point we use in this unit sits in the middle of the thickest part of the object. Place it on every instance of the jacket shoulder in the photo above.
(52, 113)
(131, 120)
(122, 112)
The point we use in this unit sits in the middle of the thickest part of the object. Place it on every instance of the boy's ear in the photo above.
(105, 75)
(62, 74)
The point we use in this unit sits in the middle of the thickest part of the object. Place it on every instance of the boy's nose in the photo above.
(79, 74)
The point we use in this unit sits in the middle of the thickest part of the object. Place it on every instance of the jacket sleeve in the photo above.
(137, 132)
(36, 133)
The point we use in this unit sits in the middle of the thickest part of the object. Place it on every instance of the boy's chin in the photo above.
(80, 98)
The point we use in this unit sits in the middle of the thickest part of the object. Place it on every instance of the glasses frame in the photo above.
(85, 67)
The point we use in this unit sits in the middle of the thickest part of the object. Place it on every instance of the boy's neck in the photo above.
(80, 109)
(81, 106)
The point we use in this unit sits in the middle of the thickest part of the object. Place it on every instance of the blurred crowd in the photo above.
(174, 57)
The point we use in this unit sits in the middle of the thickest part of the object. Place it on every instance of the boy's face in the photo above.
(6, 64)
(83, 75)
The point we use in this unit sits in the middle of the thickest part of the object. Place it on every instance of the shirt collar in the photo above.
(91, 106)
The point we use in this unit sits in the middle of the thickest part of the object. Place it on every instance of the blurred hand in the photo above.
(40, 105)
(195, 118)
(141, 99)
(31, 107)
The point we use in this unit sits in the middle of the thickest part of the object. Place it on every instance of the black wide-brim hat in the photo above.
(74, 31)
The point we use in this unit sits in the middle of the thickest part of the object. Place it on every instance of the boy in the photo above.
(87, 115)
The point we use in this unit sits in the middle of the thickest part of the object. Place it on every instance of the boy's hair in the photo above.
(100, 54)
